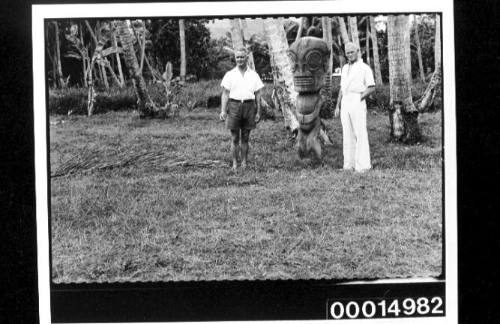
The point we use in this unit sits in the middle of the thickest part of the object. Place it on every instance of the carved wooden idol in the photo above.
(309, 56)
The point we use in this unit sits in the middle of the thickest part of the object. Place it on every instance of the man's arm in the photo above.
(258, 103)
(369, 82)
(367, 92)
(224, 100)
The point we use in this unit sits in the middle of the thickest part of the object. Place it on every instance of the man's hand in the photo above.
(336, 113)
(257, 117)
(222, 115)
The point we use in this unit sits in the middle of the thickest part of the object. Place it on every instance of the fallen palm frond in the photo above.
(93, 160)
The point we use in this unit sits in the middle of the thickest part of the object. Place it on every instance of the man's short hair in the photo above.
(351, 46)
(241, 49)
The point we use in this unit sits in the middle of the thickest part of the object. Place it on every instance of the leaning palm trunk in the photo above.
(300, 28)
(343, 30)
(118, 62)
(427, 99)
(376, 60)
(146, 106)
(284, 94)
(344, 36)
(403, 115)
(99, 57)
(91, 93)
(99, 44)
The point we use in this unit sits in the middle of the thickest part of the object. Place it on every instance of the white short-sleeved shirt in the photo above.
(356, 77)
(242, 87)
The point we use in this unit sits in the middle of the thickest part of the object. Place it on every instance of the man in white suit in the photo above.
(356, 84)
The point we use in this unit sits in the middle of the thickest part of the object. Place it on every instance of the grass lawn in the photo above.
(172, 217)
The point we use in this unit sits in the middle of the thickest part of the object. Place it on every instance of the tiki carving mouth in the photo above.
(303, 80)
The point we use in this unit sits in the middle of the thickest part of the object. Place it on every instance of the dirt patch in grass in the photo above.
(282, 218)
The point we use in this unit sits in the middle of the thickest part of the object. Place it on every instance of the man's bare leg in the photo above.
(235, 146)
(245, 137)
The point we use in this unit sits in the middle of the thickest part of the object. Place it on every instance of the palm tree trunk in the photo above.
(118, 61)
(300, 30)
(251, 62)
(84, 53)
(437, 44)
(427, 99)
(98, 47)
(238, 39)
(284, 92)
(102, 69)
(143, 49)
(342, 38)
(89, 79)
(156, 75)
(343, 30)
(353, 29)
(419, 50)
(113, 74)
(367, 42)
(328, 38)
(376, 59)
(146, 106)
(104, 76)
(141, 41)
(50, 56)
(182, 36)
(403, 115)
(60, 80)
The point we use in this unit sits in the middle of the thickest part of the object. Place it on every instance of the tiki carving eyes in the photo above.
(312, 61)
(309, 58)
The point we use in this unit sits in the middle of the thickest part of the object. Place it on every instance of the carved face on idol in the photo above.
(309, 57)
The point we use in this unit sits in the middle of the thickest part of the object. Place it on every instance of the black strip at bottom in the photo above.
(217, 301)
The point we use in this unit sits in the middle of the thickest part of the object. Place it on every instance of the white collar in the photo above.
(237, 69)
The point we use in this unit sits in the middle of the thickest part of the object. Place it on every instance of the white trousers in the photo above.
(354, 132)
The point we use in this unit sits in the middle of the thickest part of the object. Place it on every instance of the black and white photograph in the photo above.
(247, 142)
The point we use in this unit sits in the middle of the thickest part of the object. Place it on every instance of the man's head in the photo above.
(241, 56)
(351, 51)
(310, 57)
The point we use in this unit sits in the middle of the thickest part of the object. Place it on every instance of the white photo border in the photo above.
(247, 8)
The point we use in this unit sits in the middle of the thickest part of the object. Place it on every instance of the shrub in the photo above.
(200, 94)
(116, 99)
(381, 98)
(74, 100)
(197, 94)
(71, 99)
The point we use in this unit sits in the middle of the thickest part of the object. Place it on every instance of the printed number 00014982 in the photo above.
(409, 307)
